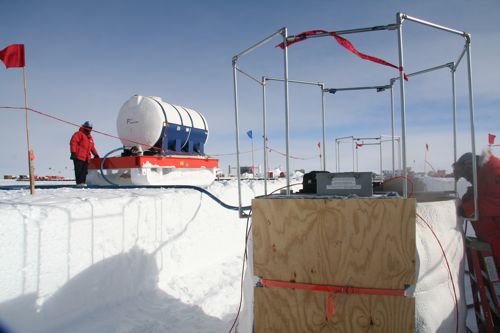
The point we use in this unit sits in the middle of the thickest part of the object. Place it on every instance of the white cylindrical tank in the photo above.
(147, 121)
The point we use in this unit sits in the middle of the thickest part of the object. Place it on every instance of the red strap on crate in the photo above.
(330, 310)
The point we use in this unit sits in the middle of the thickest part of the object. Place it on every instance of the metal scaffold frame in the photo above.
(367, 141)
(400, 19)
(322, 87)
(263, 83)
(380, 88)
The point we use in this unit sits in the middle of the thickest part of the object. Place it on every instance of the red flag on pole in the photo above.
(13, 56)
(426, 147)
(319, 145)
(491, 139)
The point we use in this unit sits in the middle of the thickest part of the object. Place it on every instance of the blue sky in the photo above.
(85, 59)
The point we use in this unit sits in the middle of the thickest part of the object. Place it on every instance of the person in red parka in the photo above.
(81, 145)
(487, 227)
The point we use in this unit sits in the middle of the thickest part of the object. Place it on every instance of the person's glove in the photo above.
(73, 156)
(96, 156)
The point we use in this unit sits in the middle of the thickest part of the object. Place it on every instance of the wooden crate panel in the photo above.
(291, 310)
(366, 243)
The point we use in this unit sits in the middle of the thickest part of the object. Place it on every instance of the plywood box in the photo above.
(363, 243)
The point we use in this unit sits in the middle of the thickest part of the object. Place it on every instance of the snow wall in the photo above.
(81, 260)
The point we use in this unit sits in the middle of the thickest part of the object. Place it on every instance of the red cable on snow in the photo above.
(247, 234)
(344, 43)
(447, 266)
(241, 152)
(270, 150)
(430, 166)
(440, 246)
(292, 157)
(66, 122)
(139, 143)
(76, 125)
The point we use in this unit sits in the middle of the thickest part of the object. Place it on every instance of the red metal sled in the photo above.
(154, 170)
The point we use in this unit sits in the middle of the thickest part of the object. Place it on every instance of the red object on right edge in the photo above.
(491, 139)
(13, 56)
(487, 228)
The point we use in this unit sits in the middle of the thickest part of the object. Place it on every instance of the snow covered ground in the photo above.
(164, 260)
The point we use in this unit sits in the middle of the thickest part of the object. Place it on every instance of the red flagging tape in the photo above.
(343, 42)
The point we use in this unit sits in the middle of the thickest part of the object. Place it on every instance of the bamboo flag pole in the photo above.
(357, 162)
(253, 165)
(320, 160)
(250, 135)
(13, 57)
(425, 158)
(425, 162)
(30, 152)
